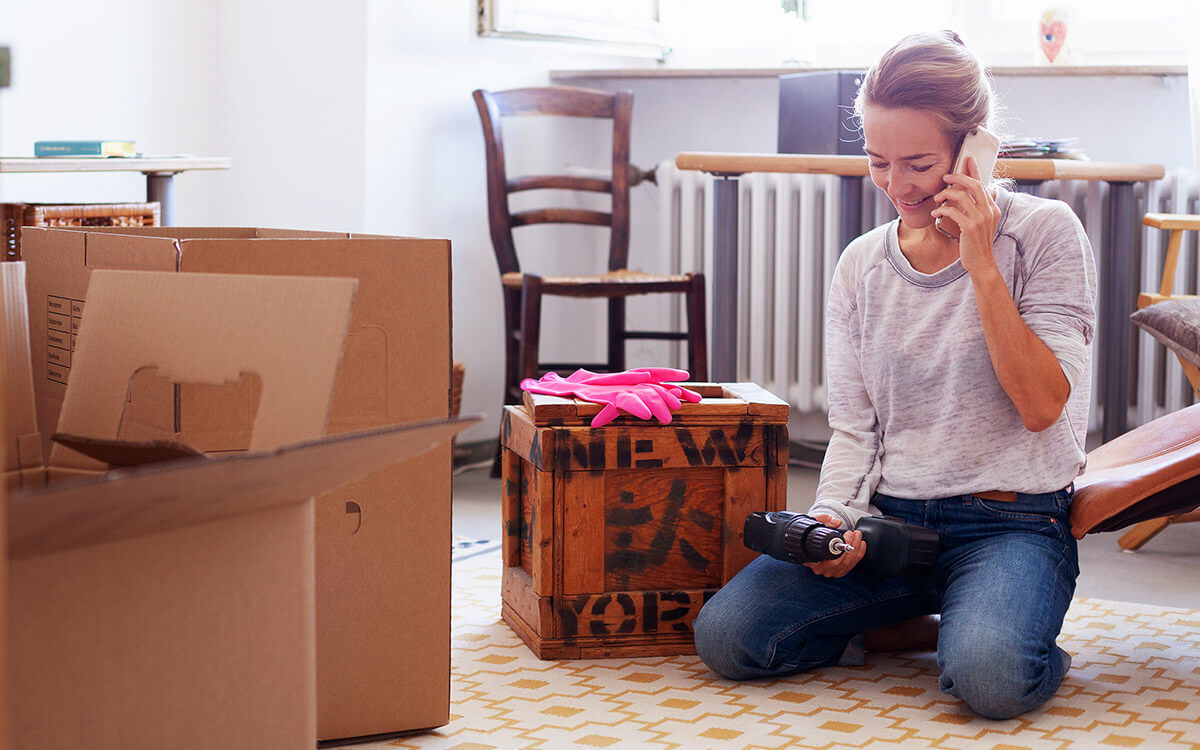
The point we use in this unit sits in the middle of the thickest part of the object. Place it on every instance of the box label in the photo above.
(62, 326)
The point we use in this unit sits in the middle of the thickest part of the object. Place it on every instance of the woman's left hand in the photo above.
(970, 205)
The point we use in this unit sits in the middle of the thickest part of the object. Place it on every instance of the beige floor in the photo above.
(1133, 683)
(1166, 572)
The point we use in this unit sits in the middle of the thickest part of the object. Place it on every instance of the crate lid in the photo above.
(718, 400)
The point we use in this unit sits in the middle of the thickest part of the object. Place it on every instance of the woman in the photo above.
(959, 378)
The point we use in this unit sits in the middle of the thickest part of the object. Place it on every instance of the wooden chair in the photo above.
(1176, 224)
(523, 291)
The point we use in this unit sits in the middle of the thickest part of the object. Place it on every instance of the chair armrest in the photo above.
(1145, 299)
(1172, 221)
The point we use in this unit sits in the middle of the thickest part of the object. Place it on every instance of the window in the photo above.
(623, 26)
(851, 33)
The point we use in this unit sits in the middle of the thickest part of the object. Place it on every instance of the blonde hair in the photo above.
(936, 73)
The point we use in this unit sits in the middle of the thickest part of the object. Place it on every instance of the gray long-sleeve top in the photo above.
(914, 404)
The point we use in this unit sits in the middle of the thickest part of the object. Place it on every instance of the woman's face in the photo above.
(909, 154)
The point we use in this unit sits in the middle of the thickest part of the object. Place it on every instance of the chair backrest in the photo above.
(567, 102)
(1176, 225)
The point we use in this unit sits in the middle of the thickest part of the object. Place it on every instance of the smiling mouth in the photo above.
(914, 204)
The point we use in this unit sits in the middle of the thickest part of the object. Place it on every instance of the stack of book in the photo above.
(84, 148)
(1041, 148)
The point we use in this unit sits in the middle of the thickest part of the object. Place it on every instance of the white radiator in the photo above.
(789, 244)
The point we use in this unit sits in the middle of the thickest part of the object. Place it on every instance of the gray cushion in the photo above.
(1176, 323)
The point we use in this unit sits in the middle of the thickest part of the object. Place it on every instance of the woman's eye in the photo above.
(925, 168)
(878, 164)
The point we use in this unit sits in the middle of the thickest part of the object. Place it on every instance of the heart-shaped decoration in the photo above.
(1053, 35)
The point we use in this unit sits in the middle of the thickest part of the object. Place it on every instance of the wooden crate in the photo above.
(13, 216)
(615, 537)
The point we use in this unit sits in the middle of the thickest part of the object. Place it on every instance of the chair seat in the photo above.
(1149, 472)
(613, 283)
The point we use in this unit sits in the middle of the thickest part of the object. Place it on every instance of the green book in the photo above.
(84, 148)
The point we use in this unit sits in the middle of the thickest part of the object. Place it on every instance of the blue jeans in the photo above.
(1005, 576)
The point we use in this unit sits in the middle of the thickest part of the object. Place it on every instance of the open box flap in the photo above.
(209, 328)
(133, 502)
(125, 453)
(22, 443)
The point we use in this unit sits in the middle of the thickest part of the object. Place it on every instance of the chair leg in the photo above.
(512, 353)
(531, 326)
(697, 311)
(512, 339)
(1132, 540)
(530, 312)
(616, 334)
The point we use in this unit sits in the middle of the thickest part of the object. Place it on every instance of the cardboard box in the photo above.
(148, 609)
(3, 558)
(616, 536)
(382, 544)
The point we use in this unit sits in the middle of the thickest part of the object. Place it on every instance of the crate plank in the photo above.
(546, 408)
(510, 508)
(516, 589)
(706, 390)
(663, 529)
(782, 453)
(583, 532)
(654, 446)
(745, 492)
(538, 501)
(520, 435)
(759, 400)
(631, 612)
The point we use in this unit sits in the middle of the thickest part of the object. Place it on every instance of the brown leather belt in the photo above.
(1002, 496)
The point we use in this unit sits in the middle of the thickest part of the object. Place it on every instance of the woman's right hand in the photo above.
(844, 563)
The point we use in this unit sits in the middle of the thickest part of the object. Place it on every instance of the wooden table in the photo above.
(159, 171)
(1119, 273)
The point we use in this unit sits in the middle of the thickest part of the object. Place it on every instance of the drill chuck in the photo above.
(893, 547)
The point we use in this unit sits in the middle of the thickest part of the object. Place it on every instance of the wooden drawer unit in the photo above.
(615, 537)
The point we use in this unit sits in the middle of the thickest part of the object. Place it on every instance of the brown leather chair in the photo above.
(1149, 475)
(523, 291)
(1148, 478)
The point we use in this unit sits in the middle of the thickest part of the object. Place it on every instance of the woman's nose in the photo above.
(897, 183)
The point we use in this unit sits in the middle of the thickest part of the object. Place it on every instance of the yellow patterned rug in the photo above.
(1134, 683)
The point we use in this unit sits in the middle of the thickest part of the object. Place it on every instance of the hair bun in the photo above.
(954, 37)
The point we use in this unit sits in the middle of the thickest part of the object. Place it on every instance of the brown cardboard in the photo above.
(382, 544)
(194, 637)
(151, 613)
(3, 559)
(136, 623)
(23, 452)
(178, 323)
(129, 503)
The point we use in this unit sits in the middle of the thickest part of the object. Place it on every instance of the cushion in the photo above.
(1175, 323)
(1149, 472)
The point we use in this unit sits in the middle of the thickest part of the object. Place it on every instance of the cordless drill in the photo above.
(894, 548)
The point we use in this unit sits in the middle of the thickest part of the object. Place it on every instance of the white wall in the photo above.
(278, 86)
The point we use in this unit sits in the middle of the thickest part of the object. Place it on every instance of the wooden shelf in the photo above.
(155, 164)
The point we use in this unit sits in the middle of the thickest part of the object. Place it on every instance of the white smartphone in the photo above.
(985, 147)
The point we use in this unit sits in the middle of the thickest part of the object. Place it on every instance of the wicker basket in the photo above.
(17, 215)
(457, 374)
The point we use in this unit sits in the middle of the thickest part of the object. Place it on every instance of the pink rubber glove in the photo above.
(641, 392)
